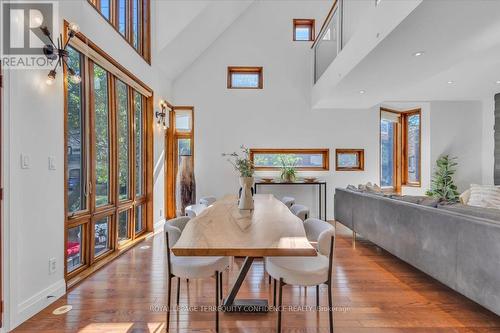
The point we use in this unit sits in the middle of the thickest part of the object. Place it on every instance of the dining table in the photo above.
(270, 229)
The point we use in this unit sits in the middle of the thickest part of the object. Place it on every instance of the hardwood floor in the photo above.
(373, 292)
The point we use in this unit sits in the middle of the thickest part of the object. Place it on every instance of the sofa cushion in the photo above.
(481, 212)
(418, 200)
(484, 196)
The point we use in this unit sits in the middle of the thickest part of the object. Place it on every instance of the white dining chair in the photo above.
(192, 268)
(305, 271)
(178, 222)
(208, 200)
(194, 210)
(288, 201)
(301, 211)
(314, 227)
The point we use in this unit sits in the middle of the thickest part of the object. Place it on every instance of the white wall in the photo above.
(279, 116)
(34, 198)
(457, 130)
(488, 140)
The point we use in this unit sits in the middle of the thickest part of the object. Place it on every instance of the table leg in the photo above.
(325, 201)
(231, 304)
(320, 212)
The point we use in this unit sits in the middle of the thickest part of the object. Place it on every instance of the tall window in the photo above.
(412, 148)
(180, 145)
(105, 163)
(131, 18)
(400, 141)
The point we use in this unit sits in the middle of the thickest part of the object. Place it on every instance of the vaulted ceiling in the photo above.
(188, 27)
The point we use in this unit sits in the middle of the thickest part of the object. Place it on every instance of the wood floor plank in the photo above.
(374, 292)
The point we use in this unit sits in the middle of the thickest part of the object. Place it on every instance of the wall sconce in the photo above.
(162, 115)
(59, 53)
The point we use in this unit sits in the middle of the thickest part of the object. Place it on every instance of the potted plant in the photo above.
(442, 185)
(288, 169)
(246, 169)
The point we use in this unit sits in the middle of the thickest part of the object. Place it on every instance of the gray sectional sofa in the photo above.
(457, 245)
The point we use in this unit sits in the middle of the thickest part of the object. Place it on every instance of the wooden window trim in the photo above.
(405, 149)
(400, 150)
(361, 158)
(171, 161)
(244, 70)
(144, 46)
(325, 152)
(311, 23)
(88, 217)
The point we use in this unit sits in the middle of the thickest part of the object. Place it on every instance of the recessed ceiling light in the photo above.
(418, 54)
(450, 82)
(362, 92)
(497, 82)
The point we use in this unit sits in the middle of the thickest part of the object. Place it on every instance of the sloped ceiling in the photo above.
(461, 41)
(188, 28)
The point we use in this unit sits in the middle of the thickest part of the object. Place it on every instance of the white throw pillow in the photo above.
(487, 196)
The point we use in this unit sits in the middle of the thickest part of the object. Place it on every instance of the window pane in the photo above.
(138, 220)
(387, 131)
(183, 121)
(75, 154)
(135, 23)
(277, 160)
(123, 229)
(302, 33)
(101, 125)
(414, 148)
(122, 16)
(123, 139)
(183, 148)
(105, 8)
(74, 248)
(245, 80)
(138, 144)
(101, 236)
(346, 160)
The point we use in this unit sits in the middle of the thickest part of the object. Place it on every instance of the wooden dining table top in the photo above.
(222, 229)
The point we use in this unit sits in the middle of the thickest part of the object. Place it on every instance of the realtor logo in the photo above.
(22, 38)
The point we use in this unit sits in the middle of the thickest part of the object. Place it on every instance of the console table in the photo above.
(321, 192)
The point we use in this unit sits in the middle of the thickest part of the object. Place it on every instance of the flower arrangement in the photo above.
(242, 164)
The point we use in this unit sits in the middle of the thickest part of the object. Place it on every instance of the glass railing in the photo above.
(340, 25)
(327, 45)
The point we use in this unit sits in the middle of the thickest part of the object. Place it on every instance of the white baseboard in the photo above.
(38, 302)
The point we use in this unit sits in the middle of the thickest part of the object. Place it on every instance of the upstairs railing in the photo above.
(328, 42)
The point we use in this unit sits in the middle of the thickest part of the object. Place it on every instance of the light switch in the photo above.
(52, 163)
(25, 161)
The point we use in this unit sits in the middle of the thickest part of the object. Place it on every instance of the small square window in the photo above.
(244, 78)
(303, 30)
(349, 159)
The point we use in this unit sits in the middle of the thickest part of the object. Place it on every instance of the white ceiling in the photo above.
(461, 40)
(187, 28)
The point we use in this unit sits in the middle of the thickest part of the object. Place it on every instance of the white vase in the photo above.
(246, 199)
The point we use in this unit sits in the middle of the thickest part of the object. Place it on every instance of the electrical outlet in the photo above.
(25, 161)
(52, 163)
(52, 265)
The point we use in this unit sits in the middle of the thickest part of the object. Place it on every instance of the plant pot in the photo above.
(288, 178)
